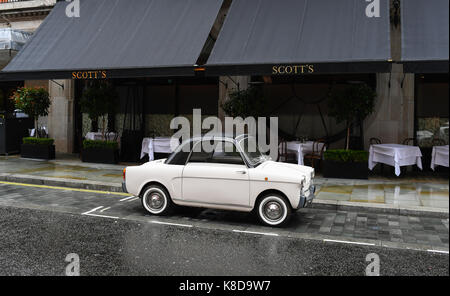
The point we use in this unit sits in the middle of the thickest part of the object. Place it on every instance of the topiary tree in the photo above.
(246, 103)
(98, 100)
(354, 103)
(32, 101)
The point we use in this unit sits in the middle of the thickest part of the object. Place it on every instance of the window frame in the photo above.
(244, 161)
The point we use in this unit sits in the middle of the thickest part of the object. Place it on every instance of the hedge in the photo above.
(38, 141)
(346, 155)
(100, 144)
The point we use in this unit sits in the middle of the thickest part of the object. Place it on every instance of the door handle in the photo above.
(242, 172)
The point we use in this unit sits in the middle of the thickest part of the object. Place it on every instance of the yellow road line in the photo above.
(65, 188)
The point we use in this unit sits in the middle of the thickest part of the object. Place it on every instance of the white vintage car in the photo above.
(233, 176)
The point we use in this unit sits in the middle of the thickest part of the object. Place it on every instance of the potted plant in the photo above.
(98, 100)
(351, 105)
(250, 102)
(35, 103)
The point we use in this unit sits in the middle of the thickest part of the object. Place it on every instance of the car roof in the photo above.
(219, 136)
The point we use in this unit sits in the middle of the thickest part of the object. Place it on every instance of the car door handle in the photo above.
(241, 172)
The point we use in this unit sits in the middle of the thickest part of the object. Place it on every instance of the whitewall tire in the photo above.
(156, 200)
(273, 210)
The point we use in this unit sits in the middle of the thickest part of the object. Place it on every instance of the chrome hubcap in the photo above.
(155, 201)
(273, 210)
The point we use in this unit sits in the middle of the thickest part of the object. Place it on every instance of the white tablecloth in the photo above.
(99, 137)
(439, 156)
(151, 146)
(302, 148)
(395, 155)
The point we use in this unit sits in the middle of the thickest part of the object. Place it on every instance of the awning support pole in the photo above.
(59, 84)
(234, 82)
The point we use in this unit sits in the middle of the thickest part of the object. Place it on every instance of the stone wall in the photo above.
(61, 116)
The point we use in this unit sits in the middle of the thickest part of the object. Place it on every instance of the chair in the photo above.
(374, 141)
(438, 142)
(409, 141)
(317, 152)
(285, 153)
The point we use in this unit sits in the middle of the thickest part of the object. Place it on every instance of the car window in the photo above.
(202, 152)
(216, 152)
(226, 152)
(181, 154)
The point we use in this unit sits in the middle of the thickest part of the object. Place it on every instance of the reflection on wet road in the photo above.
(433, 195)
(113, 235)
(424, 232)
(35, 242)
(71, 170)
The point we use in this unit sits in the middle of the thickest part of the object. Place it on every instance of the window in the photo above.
(181, 154)
(216, 152)
(432, 117)
(226, 152)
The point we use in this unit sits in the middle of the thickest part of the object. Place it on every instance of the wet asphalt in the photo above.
(36, 242)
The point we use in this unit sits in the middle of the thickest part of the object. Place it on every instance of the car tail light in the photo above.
(124, 173)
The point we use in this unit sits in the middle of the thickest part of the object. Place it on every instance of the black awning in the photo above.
(331, 36)
(425, 40)
(117, 38)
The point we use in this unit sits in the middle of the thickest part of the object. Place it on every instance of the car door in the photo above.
(218, 177)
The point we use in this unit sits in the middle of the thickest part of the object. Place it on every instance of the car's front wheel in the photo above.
(156, 200)
(273, 210)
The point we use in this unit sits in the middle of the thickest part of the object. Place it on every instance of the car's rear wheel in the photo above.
(273, 210)
(156, 200)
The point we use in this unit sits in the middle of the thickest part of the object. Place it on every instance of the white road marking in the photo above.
(127, 198)
(172, 224)
(348, 242)
(133, 199)
(105, 209)
(102, 216)
(437, 251)
(254, 232)
(89, 213)
(93, 210)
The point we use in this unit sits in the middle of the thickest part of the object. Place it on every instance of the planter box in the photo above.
(100, 155)
(12, 130)
(37, 151)
(345, 170)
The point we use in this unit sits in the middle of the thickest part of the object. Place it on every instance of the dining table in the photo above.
(98, 136)
(302, 148)
(439, 156)
(395, 155)
(151, 146)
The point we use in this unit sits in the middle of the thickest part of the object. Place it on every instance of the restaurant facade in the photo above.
(167, 57)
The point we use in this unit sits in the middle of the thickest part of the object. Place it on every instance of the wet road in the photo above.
(36, 242)
(40, 226)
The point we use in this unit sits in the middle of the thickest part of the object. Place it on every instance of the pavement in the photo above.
(425, 195)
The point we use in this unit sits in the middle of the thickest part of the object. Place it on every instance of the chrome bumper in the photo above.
(307, 201)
